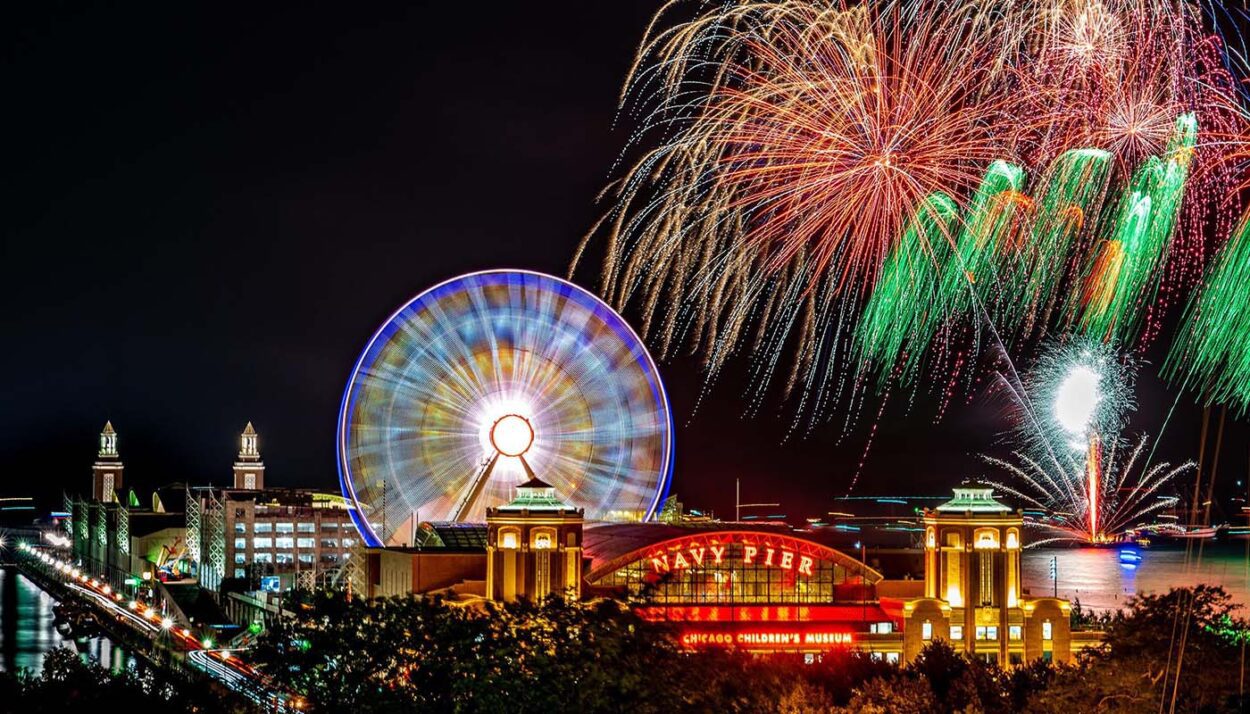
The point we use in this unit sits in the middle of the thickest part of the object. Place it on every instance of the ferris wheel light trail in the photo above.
(476, 384)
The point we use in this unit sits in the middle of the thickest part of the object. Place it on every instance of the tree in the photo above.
(67, 683)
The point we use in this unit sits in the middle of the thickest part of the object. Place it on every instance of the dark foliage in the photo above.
(68, 684)
(431, 655)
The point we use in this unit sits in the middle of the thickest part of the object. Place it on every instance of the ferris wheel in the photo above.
(492, 378)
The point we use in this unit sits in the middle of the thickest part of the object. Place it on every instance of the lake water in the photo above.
(1097, 578)
(27, 633)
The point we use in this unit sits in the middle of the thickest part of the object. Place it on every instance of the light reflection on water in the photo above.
(1096, 577)
(27, 632)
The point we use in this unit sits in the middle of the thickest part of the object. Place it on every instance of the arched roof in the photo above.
(613, 546)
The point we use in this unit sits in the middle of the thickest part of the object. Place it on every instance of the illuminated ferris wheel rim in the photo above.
(610, 317)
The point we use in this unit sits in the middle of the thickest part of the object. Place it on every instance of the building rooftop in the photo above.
(975, 500)
(452, 535)
(536, 495)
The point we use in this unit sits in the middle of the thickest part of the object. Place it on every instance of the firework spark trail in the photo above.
(1211, 355)
(1123, 276)
(801, 143)
(1126, 496)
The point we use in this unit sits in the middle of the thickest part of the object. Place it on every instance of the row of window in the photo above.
(284, 542)
(284, 558)
(988, 632)
(301, 527)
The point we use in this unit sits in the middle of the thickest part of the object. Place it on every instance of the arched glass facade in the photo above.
(738, 568)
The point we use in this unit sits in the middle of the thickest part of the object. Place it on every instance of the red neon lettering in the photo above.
(679, 561)
(805, 565)
(660, 564)
(768, 559)
(717, 552)
(787, 559)
(696, 554)
(765, 639)
(748, 553)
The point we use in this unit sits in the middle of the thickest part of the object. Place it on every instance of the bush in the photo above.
(432, 655)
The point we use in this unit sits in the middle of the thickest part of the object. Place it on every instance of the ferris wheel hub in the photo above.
(512, 435)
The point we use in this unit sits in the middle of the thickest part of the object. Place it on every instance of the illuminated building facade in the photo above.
(973, 595)
(266, 538)
(117, 538)
(533, 546)
(759, 587)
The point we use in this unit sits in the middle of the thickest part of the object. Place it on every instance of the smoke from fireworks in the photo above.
(853, 190)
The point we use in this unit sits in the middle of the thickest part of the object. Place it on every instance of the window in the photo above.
(1013, 632)
(306, 542)
(240, 543)
(980, 632)
(1046, 630)
(508, 539)
(329, 525)
(329, 557)
(991, 632)
(986, 538)
(284, 559)
(1047, 655)
(349, 542)
(542, 541)
(262, 542)
(240, 528)
(986, 590)
(264, 528)
(307, 527)
(926, 631)
(249, 481)
(305, 557)
(875, 656)
(329, 542)
(284, 542)
(957, 632)
(263, 558)
(240, 572)
(286, 527)
(891, 657)
(881, 628)
(240, 559)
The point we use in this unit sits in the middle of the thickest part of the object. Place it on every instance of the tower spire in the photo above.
(108, 442)
(106, 472)
(249, 470)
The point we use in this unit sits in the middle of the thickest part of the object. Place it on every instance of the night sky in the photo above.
(211, 210)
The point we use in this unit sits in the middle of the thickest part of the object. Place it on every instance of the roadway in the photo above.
(159, 631)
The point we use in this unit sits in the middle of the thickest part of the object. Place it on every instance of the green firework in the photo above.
(1070, 202)
(1211, 354)
(1123, 276)
(906, 293)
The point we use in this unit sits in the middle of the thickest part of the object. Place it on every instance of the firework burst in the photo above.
(1071, 408)
(845, 190)
(1130, 492)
